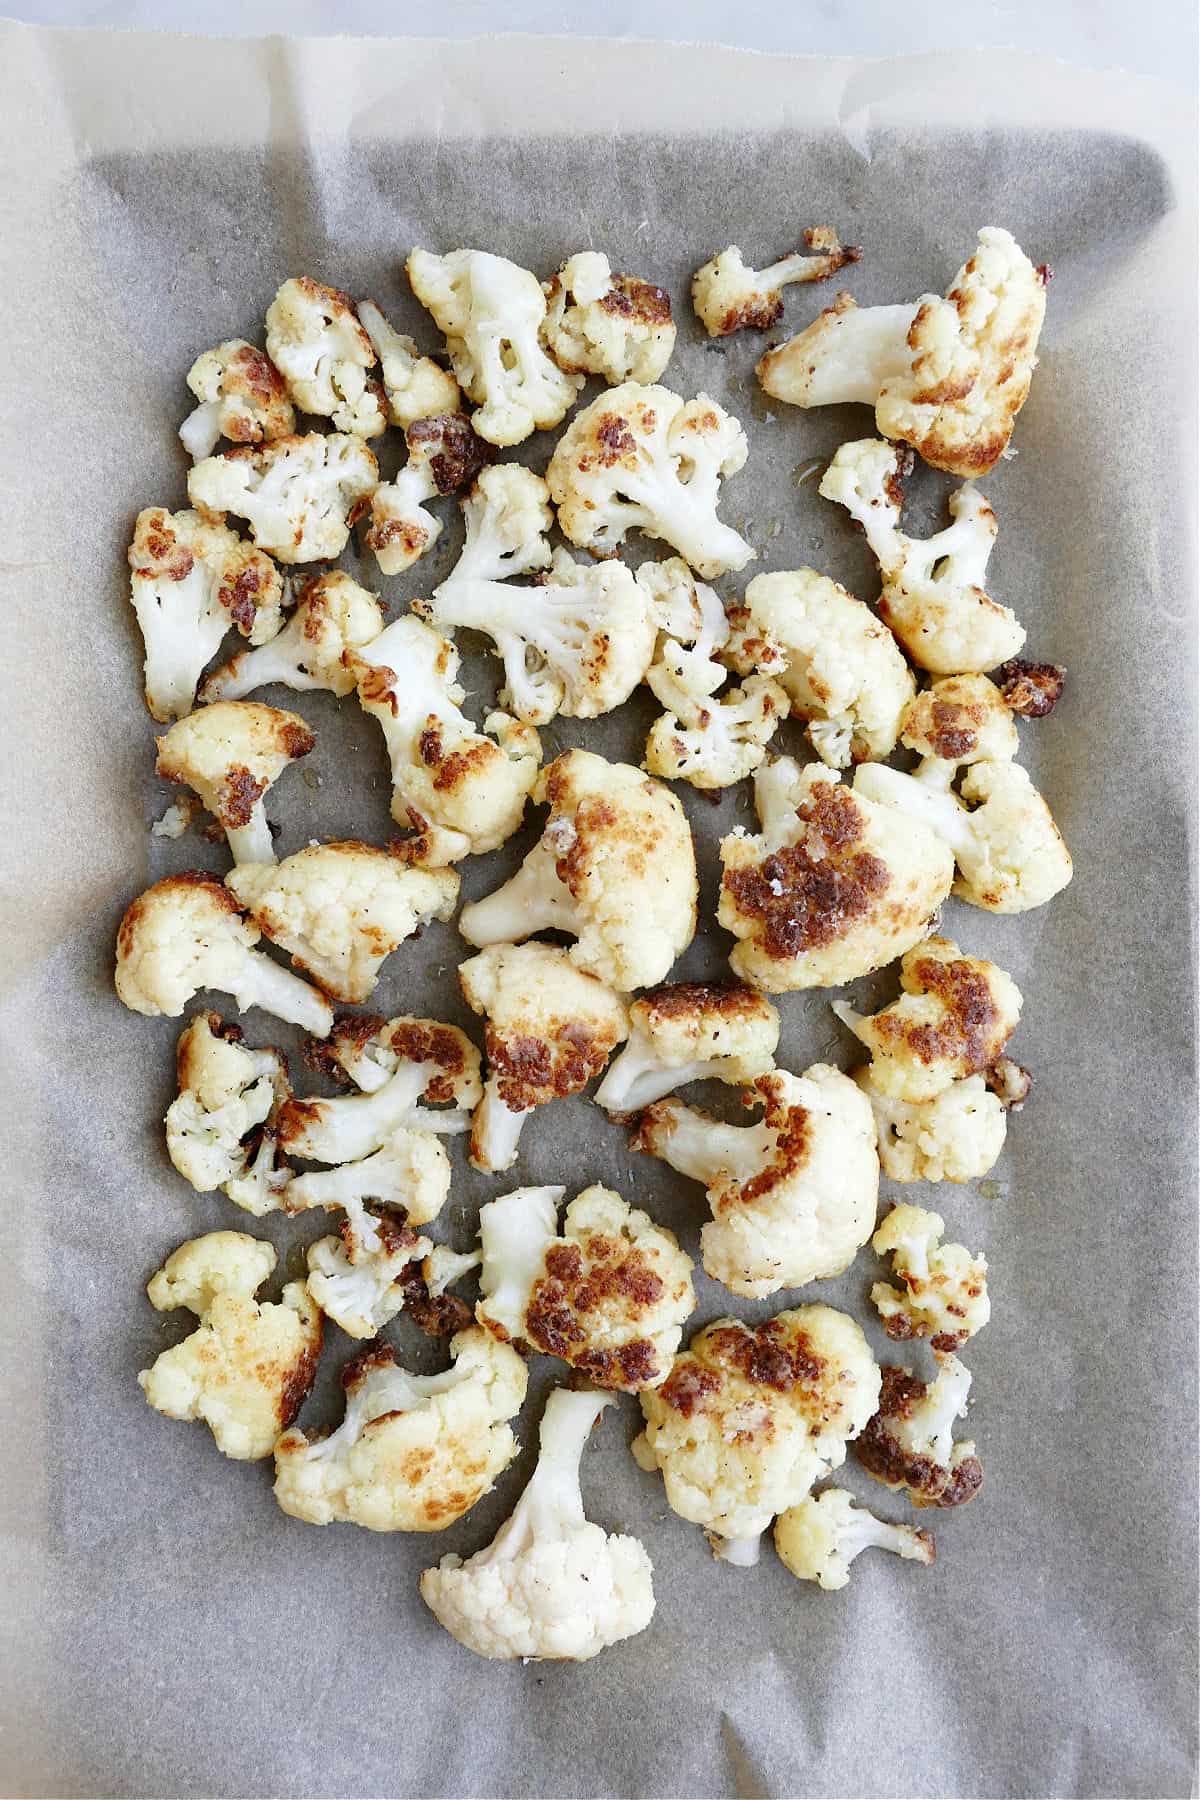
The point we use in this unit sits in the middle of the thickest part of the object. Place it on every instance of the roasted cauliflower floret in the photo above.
(550, 1584)
(443, 454)
(609, 1294)
(792, 1197)
(1010, 853)
(955, 1136)
(1032, 690)
(833, 886)
(642, 458)
(468, 788)
(406, 1178)
(841, 670)
(414, 1452)
(944, 1295)
(690, 1031)
(247, 1367)
(299, 495)
(550, 1029)
(707, 737)
(362, 1285)
(953, 1019)
(190, 580)
(820, 1538)
(615, 867)
(751, 1416)
(933, 596)
(946, 376)
(187, 933)
(226, 1090)
(910, 1444)
(317, 344)
(730, 297)
(333, 615)
(491, 312)
(230, 754)
(960, 719)
(242, 397)
(415, 386)
(598, 323)
(685, 610)
(339, 910)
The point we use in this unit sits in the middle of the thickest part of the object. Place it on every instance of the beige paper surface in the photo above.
(169, 1630)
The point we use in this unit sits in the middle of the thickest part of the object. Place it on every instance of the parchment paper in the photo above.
(168, 1630)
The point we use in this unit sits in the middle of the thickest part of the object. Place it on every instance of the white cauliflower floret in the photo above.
(955, 1136)
(641, 457)
(944, 1297)
(550, 1029)
(409, 1173)
(1009, 851)
(708, 738)
(230, 754)
(946, 376)
(443, 454)
(820, 1538)
(615, 867)
(609, 1294)
(242, 397)
(469, 789)
(841, 669)
(247, 1367)
(550, 1584)
(226, 1089)
(833, 886)
(729, 297)
(932, 596)
(751, 1416)
(190, 580)
(416, 387)
(414, 1452)
(333, 615)
(598, 323)
(361, 1287)
(691, 1031)
(491, 312)
(910, 1441)
(685, 609)
(953, 1019)
(186, 933)
(396, 1064)
(961, 719)
(577, 642)
(339, 910)
(300, 495)
(444, 1267)
(793, 1197)
(317, 344)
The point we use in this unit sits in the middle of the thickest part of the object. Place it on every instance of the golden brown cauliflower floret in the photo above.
(609, 1294)
(226, 1090)
(690, 1031)
(191, 578)
(299, 495)
(615, 867)
(414, 1452)
(832, 888)
(730, 297)
(316, 342)
(230, 754)
(598, 323)
(961, 719)
(186, 933)
(792, 1197)
(909, 1443)
(838, 665)
(247, 1367)
(550, 1029)
(953, 1019)
(642, 458)
(751, 1416)
(444, 454)
(944, 1295)
(339, 910)
(359, 1278)
(242, 397)
(333, 615)
(1031, 689)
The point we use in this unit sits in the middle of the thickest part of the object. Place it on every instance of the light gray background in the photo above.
(1157, 38)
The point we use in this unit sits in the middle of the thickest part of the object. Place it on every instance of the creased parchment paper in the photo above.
(168, 1630)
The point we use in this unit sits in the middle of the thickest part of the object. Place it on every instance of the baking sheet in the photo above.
(169, 1630)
